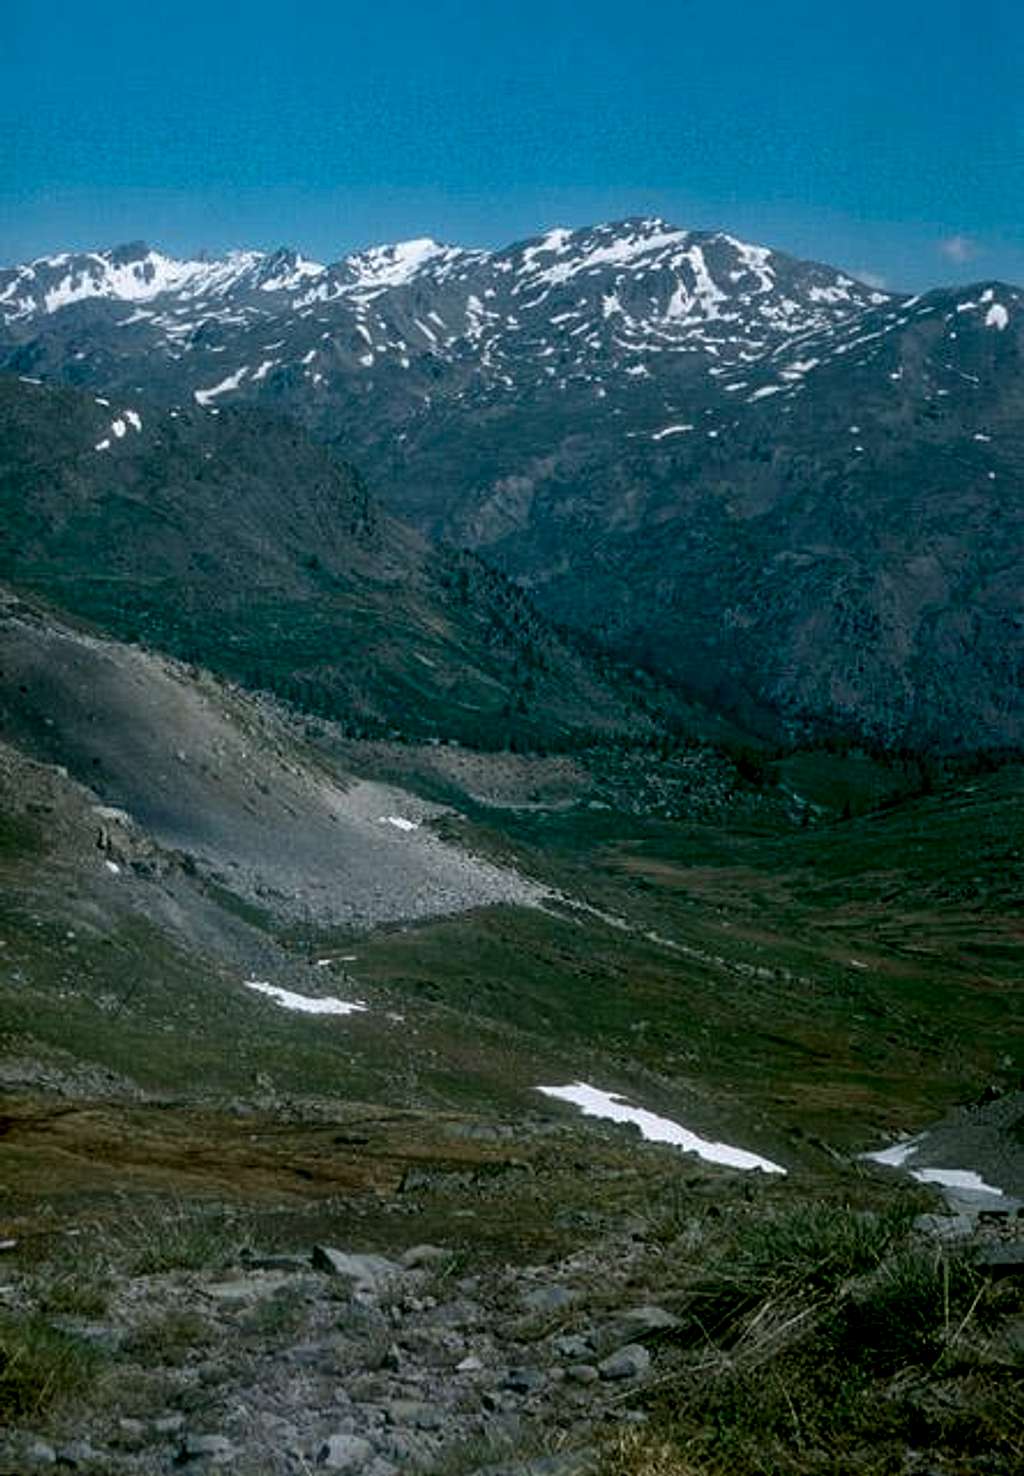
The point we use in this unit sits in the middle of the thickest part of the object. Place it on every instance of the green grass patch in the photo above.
(171, 1339)
(40, 1367)
(76, 1294)
(815, 1247)
(179, 1236)
(821, 1339)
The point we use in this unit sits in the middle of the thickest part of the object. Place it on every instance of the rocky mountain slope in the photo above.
(232, 540)
(187, 764)
(223, 1335)
(795, 493)
(628, 289)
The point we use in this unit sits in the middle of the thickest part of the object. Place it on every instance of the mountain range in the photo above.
(790, 492)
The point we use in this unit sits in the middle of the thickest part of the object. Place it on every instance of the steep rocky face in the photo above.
(848, 546)
(795, 493)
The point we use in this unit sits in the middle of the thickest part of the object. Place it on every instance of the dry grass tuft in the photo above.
(644, 1453)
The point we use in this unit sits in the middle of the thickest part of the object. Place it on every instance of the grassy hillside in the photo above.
(232, 541)
(837, 979)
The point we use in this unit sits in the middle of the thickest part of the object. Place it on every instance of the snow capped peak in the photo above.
(617, 244)
(136, 273)
(397, 264)
(575, 308)
(131, 273)
(641, 270)
(284, 270)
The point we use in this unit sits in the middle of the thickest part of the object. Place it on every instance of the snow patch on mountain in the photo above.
(232, 382)
(128, 274)
(397, 265)
(305, 1004)
(617, 251)
(286, 271)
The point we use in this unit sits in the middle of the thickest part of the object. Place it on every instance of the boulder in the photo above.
(419, 1256)
(582, 1373)
(246, 1289)
(549, 1299)
(344, 1453)
(566, 1463)
(525, 1380)
(414, 1413)
(363, 1270)
(638, 1325)
(1005, 1259)
(644, 1320)
(168, 1424)
(630, 1362)
(77, 1454)
(214, 1450)
(945, 1227)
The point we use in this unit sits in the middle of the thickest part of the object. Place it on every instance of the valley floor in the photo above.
(216, 1056)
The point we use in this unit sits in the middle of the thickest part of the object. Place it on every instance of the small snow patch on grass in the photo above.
(595, 1103)
(304, 1003)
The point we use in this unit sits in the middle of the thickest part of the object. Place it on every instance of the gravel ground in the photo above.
(217, 776)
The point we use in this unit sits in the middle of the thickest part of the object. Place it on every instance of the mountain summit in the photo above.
(684, 278)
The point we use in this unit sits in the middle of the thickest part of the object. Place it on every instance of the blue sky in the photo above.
(886, 138)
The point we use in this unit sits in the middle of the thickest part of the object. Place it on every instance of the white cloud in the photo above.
(871, 279)
(960, 249)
